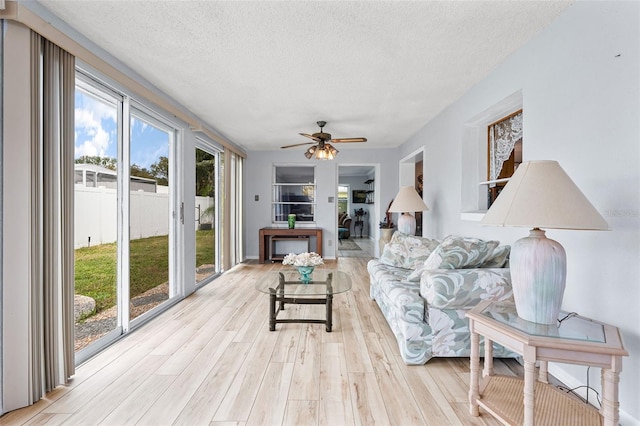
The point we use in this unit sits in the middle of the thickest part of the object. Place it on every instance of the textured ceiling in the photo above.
(260, 72)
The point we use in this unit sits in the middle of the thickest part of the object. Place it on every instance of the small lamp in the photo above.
(407, 201)
(541, 195)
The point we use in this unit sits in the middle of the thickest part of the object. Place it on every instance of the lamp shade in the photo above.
(540, 194)
(407, 200)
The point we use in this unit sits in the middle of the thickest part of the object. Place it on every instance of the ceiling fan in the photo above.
(322, 149)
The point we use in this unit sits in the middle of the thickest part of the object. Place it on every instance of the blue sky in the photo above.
(96, 133)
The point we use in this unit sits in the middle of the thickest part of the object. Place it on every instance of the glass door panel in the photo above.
(149, 215)
(206, 216)
(95, 216)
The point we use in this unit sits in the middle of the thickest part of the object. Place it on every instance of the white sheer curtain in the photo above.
(503, 136)
(51, 278)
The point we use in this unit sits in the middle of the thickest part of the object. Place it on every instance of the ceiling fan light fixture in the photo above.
(328, 152)
(322, 154)
(309, 152)
(322, 149)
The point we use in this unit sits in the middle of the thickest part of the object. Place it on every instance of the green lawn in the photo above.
(205, 247)
(95, 267)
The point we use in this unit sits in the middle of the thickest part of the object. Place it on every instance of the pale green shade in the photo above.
(540, 194)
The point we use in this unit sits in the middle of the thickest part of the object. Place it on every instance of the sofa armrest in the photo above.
(465, 288)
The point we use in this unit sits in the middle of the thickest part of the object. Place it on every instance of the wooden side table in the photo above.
(575, 340)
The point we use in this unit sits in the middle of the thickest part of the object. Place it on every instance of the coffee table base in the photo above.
(281, 301)
(277, 296)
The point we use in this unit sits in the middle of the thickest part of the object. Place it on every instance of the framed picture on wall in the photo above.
(359, 196)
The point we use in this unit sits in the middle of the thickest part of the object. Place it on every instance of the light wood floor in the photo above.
(366, 245)
(212, 360)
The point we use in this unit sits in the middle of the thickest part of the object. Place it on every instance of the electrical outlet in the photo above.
(330, 200)
(329, 243)
(256, 198)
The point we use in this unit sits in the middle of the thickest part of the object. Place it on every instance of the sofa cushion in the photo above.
(415, 275)
(498, 259)
(384, 273)
(407, 251)
(465, 288)
(456, 252)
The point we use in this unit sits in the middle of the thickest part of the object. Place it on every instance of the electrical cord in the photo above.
(566, 317)
(589, 388)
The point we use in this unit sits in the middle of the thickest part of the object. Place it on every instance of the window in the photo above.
(294, 192)
(504, 139)
(343, 198)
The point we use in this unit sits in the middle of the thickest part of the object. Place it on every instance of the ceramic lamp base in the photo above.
(538, 273)
(407, 224)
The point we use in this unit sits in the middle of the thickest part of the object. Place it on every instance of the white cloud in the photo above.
(92, 138)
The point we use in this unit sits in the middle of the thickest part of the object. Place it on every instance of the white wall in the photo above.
(580, 83)
(259, 176)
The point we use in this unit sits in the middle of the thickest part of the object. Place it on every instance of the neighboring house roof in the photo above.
(104, 171)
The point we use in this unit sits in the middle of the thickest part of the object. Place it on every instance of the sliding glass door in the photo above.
(150, 210)
(207, 214)
(97, 120)
(125, 215)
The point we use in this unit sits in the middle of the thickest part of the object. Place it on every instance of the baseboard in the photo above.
(571, 382)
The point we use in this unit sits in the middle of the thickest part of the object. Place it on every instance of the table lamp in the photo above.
(541, 195)
(407, 201)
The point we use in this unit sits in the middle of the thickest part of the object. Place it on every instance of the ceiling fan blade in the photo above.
(298, 144)
(310, 137)
(340, 140)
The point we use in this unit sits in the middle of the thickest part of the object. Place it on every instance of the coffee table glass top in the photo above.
(572, 326)
(339, 282)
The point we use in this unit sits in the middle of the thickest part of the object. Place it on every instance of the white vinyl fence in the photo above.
(96, 215)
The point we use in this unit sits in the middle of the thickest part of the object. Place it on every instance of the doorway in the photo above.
(411, 174)
(356, 214)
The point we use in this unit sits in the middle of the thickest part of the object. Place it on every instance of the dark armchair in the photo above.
(344, 227)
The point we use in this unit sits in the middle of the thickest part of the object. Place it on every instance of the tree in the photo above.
(142, 172)
(205, 173)
(160, 170)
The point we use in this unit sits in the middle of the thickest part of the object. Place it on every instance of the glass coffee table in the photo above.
(284, 287)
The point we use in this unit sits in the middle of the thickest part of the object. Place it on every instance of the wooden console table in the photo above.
(266, 234)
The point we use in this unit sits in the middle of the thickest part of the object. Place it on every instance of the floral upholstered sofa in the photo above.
(424, 288)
